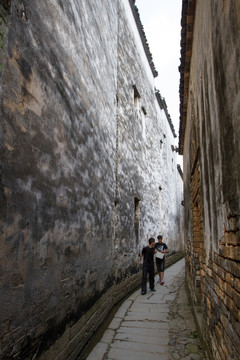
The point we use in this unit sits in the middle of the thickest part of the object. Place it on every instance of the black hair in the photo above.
(151, 240)
(159, 237)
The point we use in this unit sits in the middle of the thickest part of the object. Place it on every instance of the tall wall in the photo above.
(209, 141)
(84, 150)
(147, 171)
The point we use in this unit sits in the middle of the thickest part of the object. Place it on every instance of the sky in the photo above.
(161, 21)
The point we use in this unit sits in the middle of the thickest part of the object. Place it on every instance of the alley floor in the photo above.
(155, 326)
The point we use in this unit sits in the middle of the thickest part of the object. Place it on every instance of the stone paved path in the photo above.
(155, 326)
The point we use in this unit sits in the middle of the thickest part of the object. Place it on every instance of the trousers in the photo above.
(148, 268)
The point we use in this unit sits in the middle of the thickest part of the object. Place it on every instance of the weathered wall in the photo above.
(58, 125)
(74, 156)
(211, 173)
(145, 159)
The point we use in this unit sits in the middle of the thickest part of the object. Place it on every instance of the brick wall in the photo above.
(210, 129)
(221, 306)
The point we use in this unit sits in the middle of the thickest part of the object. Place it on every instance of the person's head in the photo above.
(159, 238)
(151, 242)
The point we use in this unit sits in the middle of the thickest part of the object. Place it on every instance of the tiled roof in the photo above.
(143, 36)
(162, 103)
(187, 22)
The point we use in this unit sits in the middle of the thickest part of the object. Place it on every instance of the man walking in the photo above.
(148, 265)
(160, 258)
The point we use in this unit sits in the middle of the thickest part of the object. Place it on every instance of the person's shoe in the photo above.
(154, 290)
(162, 282)
(158, 281)
(143, 292)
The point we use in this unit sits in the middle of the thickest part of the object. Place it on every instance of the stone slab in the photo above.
(134, 316)
(150, 307)
(143, 331)
(98, 352)
(151, 348)
(127, 354)
(115, 323)
(108, 336)
(142, 338)
(121, 312)
(147, 324)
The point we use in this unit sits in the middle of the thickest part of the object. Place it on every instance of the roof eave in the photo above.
(187, 22)
(143, 37)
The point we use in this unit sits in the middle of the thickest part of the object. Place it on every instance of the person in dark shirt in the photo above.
(148, 265)
(161, 248)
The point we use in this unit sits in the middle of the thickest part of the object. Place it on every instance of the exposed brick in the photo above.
(209, 271)
(222, 241)
(233, 224)
(230, 345)
(210, 263)
(217, 350)
(228, 289)
(232, 239)
(208, 304)
(224, 348)
(221, 250)
(238, 237)
(221, 273)
(235, 252)
(217, 259)
(224, 311)
(237, 284)
(229, 279)
(227, 250)
(219, 292)
(235, 324)
(231, 266)
(233, 336)
(218, 340)
(217, 280)
(215, 267)
(232, 308)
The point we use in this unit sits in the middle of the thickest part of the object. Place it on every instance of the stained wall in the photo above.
(211, 169)
(81, 166)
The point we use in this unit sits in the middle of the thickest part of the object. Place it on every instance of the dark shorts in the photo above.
(160, 264)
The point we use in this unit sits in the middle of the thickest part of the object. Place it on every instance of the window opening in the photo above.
(143, 118)
(136, 97)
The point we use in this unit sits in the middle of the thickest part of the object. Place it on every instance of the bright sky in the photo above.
(161, 21)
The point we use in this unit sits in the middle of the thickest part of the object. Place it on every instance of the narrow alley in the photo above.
(94, 163)
(153, 326)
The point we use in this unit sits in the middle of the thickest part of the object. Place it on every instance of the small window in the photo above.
(137, 209)
(160, 201)
(144, 110)
(143, 118)
(136, 97)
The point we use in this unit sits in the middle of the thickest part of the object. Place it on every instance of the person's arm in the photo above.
(165, 250)
(140, 256)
